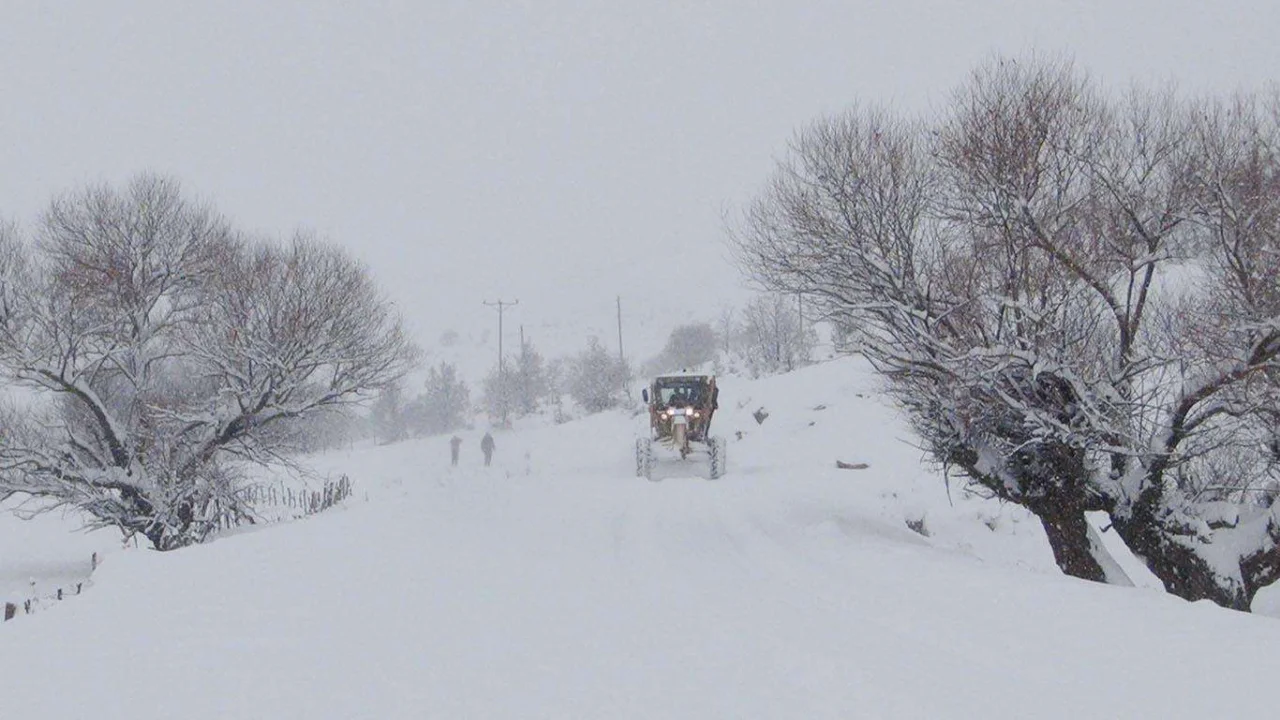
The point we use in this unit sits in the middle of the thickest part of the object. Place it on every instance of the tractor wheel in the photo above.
(644, 457)
(719, 459)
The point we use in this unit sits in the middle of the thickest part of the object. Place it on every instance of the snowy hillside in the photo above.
(556, 584)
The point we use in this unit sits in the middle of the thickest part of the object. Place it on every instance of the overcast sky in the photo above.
(557, 152)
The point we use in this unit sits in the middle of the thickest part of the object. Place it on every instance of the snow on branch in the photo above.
(162, 348)
(1076, 298)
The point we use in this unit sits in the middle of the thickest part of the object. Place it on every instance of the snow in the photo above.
(685, 375)
(557, 584)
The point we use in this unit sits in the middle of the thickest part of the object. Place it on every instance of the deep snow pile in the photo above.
(556, 584)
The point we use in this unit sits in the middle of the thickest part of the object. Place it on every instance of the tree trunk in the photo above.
(174, 530)
(1074, 547)
(1262, 568)
(1183, 572)
(1049, 481)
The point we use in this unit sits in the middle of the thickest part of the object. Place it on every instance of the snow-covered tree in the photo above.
(596, 378)
(500, 389)
(1074, 297)
(160, 345)
(532, 383)
(773, 336)
(558, 372)
(688, 346)
(526, 381)
(445, 404)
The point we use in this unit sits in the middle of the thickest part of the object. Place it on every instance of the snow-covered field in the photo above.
(556, 584)
(45, 553)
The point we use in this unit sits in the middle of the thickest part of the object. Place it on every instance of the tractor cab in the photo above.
(694, 398)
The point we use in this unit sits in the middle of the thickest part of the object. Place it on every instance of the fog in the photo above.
(560, 153)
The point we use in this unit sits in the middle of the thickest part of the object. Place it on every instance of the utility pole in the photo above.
(622, 359)
(502, 379)
(797, 349)
(523, 390)
(800, 313)
(620, 355)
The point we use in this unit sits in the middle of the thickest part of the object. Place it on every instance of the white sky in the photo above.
(553, 151)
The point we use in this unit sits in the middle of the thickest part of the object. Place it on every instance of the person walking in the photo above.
(486, 446)
(454, 443)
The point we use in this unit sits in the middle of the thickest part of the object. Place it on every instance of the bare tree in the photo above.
(726, 328)
(1073, 297)
(773, 337)
(164, 346)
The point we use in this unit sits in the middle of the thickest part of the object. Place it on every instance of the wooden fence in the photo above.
(303, 502)
(270, 504)
(30, 605)
(273, 503)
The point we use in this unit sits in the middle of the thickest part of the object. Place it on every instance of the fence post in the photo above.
(10, 610)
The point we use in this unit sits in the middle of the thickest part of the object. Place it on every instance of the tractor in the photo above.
(681, 407)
